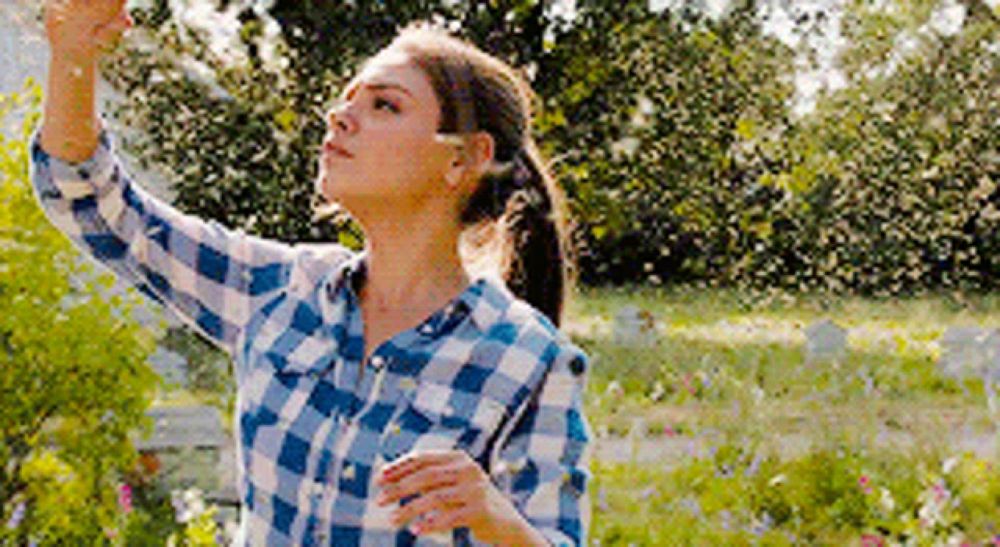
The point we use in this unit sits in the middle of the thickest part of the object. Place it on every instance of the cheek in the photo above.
(407, 164)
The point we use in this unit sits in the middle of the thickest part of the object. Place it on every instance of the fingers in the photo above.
(88, 25)
(108, 34)
(419, 482)
(443, 520)
(441, 500)
(414, 461)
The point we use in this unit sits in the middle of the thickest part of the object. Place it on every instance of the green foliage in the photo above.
(645, 118)
(208, 372)
(726, 437)
(831, 496)
(74, 379)
(891, 186)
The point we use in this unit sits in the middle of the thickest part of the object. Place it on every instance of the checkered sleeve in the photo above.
(543, 465)
(205, 272)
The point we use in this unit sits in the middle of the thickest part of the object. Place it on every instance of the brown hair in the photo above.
(479, 92)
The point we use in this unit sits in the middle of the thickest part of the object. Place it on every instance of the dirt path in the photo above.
(669, 451)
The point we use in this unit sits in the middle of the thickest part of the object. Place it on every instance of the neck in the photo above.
(410, 267)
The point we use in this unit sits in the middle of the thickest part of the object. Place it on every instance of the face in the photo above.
(386, 122)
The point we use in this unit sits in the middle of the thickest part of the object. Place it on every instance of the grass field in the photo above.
(720, 432)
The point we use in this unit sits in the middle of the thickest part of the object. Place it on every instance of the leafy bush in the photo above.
(891, 186)
(75, 381)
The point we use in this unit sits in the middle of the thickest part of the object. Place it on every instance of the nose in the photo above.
(338, 118)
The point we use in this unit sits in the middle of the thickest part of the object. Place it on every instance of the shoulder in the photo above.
(313, 263)
(537, 335)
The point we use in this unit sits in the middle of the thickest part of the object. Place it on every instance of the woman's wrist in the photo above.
(70, 125)
(507, 527)
(75, 55)
(517, 531)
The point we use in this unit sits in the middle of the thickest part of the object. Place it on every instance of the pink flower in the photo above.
(669, 431)
(940, 492)
(687, 384)
(125, 498)
(865, 483)
(871, 540)
(996, 541)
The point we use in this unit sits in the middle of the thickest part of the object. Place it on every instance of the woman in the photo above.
(396, 395)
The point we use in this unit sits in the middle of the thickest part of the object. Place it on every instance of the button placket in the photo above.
(319, 489)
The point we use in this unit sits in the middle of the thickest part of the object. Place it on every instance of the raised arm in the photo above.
(212, 276)
(78, 32)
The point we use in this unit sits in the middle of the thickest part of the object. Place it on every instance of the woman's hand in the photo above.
(84, 27)
(452, 491)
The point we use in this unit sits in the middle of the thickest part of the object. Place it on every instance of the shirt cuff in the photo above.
(77, 179)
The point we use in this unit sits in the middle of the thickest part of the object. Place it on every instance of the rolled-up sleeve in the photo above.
(208, 274)
(543, 465)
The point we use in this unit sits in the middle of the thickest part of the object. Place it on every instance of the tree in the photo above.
(73, 378)
(891, 184)
(648, 115)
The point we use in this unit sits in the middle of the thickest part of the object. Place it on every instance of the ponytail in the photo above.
(530, 208)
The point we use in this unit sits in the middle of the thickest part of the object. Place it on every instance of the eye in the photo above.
(380, 102)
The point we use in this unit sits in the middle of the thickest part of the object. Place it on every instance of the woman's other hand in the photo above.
(84, 27)
(448, 489)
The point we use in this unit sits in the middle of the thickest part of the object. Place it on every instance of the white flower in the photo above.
(658, 391)
(626, 146)
(187, 504)
(949, 464)
(886, 500)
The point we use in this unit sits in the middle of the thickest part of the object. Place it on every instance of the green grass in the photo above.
(727, 373)
(724, 355)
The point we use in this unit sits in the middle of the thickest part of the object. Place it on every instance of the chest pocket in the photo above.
(434, 416)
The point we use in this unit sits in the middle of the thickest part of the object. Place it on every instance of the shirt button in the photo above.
(394, 428)
(407, 384)
(318, 488)
(348, 472)
(378, 361)
(426, 329)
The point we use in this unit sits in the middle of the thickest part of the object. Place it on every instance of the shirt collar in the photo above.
(486, 297)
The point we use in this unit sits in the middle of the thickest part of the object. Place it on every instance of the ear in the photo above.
(472, 158)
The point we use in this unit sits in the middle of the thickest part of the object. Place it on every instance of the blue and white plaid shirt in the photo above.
(487, 373)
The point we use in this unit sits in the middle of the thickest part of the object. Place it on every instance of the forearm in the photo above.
(520, 532)
(70, 126)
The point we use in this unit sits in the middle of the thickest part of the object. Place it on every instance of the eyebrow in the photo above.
(375, 86)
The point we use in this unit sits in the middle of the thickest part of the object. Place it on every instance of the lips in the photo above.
(331, 148)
